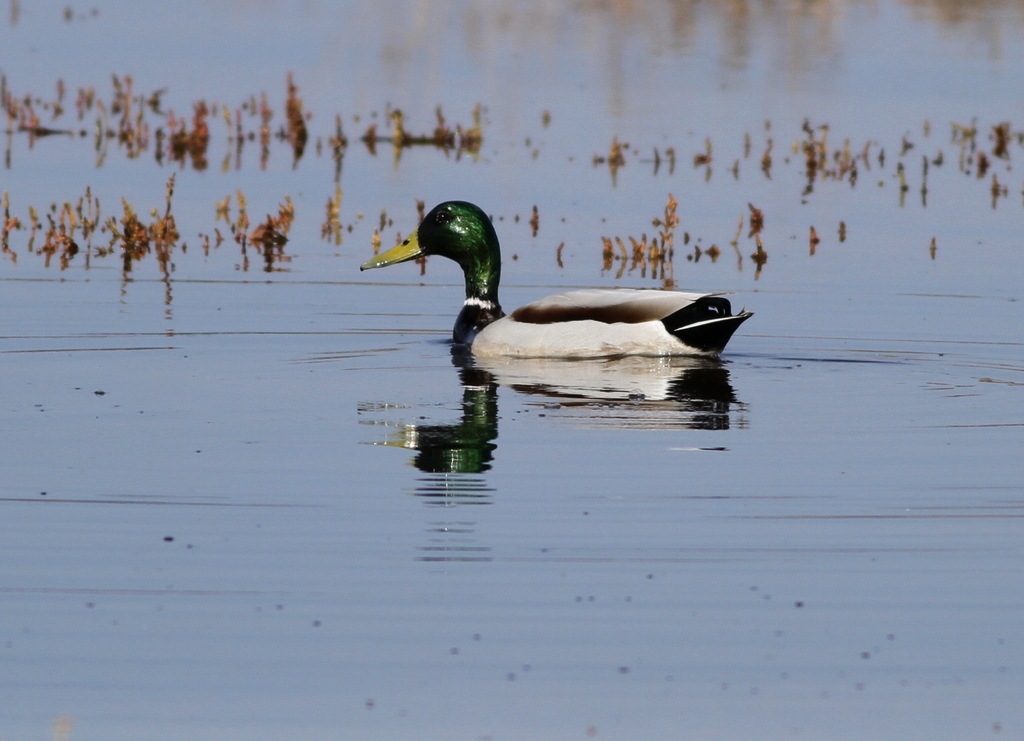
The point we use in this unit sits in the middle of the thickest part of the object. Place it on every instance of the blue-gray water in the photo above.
(267, 505)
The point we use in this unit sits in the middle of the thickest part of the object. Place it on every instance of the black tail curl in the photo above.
(705, 325)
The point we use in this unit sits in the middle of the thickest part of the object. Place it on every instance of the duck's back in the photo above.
(610, 306)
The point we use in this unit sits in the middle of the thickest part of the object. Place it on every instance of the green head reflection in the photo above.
(461, 447)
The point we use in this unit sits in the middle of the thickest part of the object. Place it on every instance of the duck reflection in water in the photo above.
(465, 446)
(630, 392)
(624, 393)
(461, 448)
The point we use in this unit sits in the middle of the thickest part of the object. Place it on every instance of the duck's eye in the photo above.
(443, 217)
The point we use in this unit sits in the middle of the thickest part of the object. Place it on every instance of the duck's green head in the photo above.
(461, 232)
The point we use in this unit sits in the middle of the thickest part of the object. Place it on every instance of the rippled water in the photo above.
(249, 492)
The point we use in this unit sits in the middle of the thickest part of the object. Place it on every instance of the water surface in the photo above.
(256, 495)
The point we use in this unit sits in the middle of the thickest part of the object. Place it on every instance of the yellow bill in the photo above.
(407, 250)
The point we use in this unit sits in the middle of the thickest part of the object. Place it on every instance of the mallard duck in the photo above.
(577, 324)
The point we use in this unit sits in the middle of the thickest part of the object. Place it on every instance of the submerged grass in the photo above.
(135, 123)
(655, 253)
